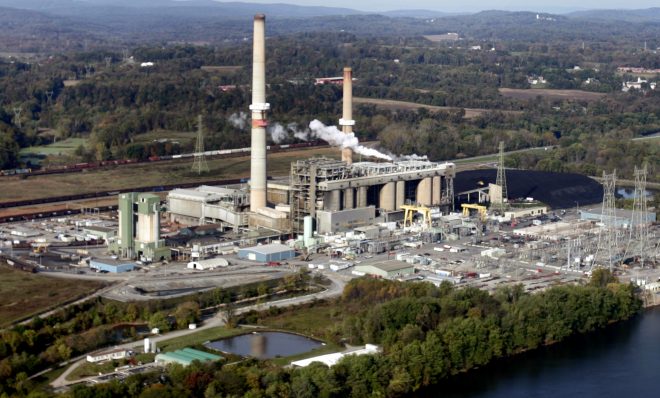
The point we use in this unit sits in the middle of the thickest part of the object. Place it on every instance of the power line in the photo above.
(199, 160)
(501, 180)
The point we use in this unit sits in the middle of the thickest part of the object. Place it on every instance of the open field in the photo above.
(146, 174)
(65, 147)
(182, 137)
(23, 294)
(411, 106)
(525, 94)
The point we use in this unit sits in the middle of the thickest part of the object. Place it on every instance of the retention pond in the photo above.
(265, 345)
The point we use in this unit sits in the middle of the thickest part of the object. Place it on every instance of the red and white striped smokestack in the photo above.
(346, 122)
(258, 108)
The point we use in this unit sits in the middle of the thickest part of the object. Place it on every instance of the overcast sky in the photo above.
(474, 5)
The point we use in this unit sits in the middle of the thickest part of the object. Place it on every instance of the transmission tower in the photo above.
(199, 162)
(501, 179)
(17, 116)
(608, 218)
(638, 242)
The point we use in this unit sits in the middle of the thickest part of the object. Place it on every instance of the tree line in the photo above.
(427, 334)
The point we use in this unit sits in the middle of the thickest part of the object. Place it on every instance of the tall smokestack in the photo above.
(346, 122)
(258, 108)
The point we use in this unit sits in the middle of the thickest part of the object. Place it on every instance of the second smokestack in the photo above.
(346, 122)
(259, 123)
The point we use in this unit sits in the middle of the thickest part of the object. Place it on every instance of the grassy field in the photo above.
(23, 295)
(411, 106)
(198, 338)
(310, 321)
(525, 94)
(161, 173)
(65, 147)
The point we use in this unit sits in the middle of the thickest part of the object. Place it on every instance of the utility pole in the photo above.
(639, 230)
(199, 160)
(17, 116)
(501, 179)
(608, 217)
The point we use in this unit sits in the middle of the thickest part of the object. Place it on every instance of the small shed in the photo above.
(267, 253)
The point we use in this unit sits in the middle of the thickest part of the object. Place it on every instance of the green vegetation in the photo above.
(198, 338)
(120, 109)
(97, 323)
(23, 294)
(59, 148)
(428, 334)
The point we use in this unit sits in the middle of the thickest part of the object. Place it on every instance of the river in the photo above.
(620, 361)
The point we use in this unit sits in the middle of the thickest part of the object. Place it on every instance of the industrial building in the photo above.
(185, 357)
(111, 265)
(119, 353)
(622, 217)
(387, 269)
(211, 263)
(322, 184)
(267, 253)
(139, 228)
(226, 206)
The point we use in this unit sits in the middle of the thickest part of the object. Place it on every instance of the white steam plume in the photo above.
(277, 133)
(238, 120)
(400, 158)
(334, 137)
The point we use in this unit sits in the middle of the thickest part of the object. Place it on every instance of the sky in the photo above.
(473, 5)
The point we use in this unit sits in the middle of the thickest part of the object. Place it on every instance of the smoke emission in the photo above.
(238, 120)
(334, 137)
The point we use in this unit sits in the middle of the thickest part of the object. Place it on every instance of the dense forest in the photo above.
(427, 334)
(109, 98)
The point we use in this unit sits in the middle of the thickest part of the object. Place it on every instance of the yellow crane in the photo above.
(483, 211)
(409, 212)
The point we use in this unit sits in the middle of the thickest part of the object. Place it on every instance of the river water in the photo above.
(620, 361)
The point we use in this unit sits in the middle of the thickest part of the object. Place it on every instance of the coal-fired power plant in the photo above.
(258, 109)
(346, 122)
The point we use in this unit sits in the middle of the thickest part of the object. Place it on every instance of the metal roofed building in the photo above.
(332, 359)
(185, 357)
(267, 253)
(111, 265)
(387, 269)
(622, 217)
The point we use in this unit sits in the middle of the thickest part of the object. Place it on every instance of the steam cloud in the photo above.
(334, 137)
(317, 130)
(238, 120)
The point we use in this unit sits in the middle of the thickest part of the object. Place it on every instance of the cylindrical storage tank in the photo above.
(147, 345)
(307, 232)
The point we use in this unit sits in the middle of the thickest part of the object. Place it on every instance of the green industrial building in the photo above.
(185, 357)
(139, 228)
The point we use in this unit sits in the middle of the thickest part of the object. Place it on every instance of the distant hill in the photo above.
(641, 15)
(416, 13)
(192, 8)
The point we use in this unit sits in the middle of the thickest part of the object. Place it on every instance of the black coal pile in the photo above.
(557, 190)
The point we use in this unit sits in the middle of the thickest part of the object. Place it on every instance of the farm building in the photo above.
(267, 253)
(185, 357)
(387, 269)
(210, 263)
(110, 265)
(108, 355)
